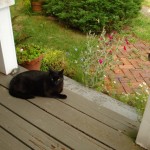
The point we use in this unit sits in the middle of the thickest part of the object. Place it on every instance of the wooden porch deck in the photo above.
(52, 124)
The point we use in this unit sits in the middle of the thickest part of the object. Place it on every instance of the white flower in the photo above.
(21, 50)
(81, 59)
(127, 95)
(140, 85)
(75, 61)
(147, 91)
(138, 93)
(76, 49)
(114, 82)
(144, 83)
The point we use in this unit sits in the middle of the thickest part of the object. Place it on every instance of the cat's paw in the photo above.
(62, 96)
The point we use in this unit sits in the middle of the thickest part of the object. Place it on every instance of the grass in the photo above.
(44, 31)
(141, 27)
(146, 3)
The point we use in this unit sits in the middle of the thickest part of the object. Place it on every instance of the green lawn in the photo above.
(146, 3)
(44, 31)
(141, 28)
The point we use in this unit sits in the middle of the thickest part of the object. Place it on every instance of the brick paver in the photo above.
(134, 68)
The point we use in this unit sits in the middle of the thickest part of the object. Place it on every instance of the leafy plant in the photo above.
(138, 99)
(97, 58)
(93, 15)
(28, 52)
(57, 60)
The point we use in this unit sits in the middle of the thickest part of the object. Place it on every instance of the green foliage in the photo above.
(26, 53)
(141, 27)
(93, 15)
(97, 58)
(146, 3)
(137, 99)
(56, 60)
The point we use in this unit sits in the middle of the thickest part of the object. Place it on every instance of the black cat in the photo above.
(33, 83)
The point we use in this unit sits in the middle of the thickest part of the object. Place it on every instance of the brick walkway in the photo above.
(133, 70)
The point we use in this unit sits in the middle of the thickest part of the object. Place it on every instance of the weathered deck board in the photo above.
(82, 122)
(102, 114)
(26, 132)
(49, 124)
(75, 123)
(8, 142)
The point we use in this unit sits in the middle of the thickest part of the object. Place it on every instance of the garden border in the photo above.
(101, 99)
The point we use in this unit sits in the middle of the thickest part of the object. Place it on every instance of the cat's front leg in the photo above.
(55, 95)
(61, 96)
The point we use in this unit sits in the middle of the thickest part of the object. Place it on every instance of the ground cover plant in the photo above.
(73, 45)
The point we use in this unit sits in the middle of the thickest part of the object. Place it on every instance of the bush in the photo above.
(57, 60)
(93, 15)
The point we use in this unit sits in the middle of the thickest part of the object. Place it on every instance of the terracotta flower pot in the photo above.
(36, 6)
(34, 64)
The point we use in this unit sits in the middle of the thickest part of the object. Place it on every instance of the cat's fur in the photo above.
(33, 83)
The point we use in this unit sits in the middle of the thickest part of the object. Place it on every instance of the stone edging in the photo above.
(101, 99)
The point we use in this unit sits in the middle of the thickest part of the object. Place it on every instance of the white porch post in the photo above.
(8, 59)
(143, 137)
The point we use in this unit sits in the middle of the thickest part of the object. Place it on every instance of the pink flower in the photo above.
(124, 48)
(110, 37)
(110, 52)
(127, 42)
(100, 38)
(100, 61)
(114, 32)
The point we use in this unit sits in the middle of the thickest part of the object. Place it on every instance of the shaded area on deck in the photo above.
(53, 124)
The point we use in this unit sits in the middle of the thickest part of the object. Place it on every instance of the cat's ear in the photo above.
(50, 71)
(61, 72)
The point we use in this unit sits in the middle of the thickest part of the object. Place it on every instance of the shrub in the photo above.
(56, 60)
(93, 15)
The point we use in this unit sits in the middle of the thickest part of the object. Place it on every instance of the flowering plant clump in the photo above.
(98, 57)
(28, 52)
(136, 99)
(56, 59)
(141, 97)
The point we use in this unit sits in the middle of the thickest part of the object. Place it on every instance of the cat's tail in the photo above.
(18, 94)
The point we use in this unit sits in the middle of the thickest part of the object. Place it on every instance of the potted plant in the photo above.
(36, 5)
(29, 56)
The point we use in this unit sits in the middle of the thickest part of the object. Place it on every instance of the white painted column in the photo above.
(8, 59)
(143, 137)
